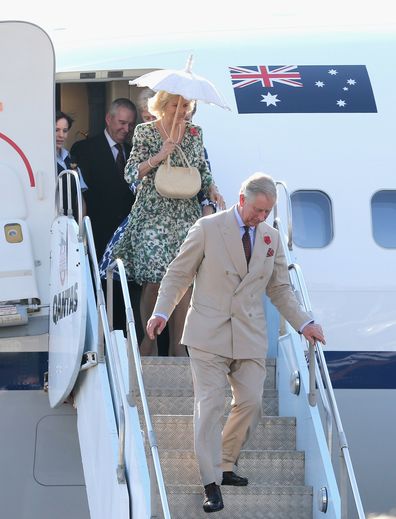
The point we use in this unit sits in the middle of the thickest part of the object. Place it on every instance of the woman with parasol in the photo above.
(158, 225)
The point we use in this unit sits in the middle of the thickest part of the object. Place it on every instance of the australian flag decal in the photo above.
(302, 89)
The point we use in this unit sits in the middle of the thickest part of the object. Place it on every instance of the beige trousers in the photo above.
(217, 448)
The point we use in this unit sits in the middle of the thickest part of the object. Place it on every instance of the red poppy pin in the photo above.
(193, 132)
(270, 252)
(267, 239)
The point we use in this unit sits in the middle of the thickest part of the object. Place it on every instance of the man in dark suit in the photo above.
(108, 198)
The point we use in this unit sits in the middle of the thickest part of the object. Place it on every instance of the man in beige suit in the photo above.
(233, 258)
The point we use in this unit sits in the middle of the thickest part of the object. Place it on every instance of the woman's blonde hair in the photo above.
(156, 105)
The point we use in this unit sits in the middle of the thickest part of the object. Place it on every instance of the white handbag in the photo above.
(177, 181)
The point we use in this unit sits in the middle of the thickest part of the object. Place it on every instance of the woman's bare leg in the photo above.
(176, 325)
(147, 302)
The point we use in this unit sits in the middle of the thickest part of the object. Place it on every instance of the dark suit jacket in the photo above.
(109, 199)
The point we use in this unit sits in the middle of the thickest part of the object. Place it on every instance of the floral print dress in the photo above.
(157, 226)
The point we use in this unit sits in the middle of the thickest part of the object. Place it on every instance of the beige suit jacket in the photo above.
(226, 314)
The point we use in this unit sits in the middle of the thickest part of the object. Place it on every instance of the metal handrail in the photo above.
(288, 214)
(318, 373)
(344, 448)
(331, 410)
(307, 307)
(104, 333)
(133, 344)
(313, 367)
(324, 372)
(326, 407)
(59, 197)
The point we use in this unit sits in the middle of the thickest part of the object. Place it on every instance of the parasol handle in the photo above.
(175, 116)
(187, 69)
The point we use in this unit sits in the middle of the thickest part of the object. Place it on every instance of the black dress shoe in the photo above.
(230, 478)
(213, 502)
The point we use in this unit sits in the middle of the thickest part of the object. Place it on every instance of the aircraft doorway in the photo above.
(86, 96)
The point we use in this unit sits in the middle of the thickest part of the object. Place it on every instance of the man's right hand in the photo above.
(313, 332)
(155, 325)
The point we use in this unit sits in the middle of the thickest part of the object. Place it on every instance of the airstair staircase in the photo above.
(270, 460)
(137, 412)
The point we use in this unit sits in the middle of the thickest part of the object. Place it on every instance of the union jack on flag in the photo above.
(302, 89)
(242, 77)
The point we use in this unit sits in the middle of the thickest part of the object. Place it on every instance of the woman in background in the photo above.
(63, 123)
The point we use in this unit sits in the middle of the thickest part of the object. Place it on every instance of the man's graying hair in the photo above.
(258, 183)
(122, 102)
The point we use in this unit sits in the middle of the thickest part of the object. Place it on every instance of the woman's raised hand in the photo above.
(167, 148)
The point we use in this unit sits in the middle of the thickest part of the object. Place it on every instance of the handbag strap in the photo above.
(181, 154)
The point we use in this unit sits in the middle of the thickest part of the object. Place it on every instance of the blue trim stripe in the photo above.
(362, 369)
(23, 370)
(348, 369)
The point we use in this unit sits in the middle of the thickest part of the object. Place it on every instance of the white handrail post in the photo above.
(312, 379)
(288, 214)
(109, 297)
(343, 486)
(132, 383)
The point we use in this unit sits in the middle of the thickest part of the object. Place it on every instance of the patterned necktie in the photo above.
(120, 160)
(247, 246)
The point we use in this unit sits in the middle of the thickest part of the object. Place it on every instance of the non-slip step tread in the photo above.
(147, 360)
(260, 503)
(260, 467)
(175, 372)
(160, 403)
(269, 490)
(276, 471)
(187, 419)
(245, 454)
(189, 392)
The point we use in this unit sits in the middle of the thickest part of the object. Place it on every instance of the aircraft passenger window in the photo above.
(383, 211)
(312, 219)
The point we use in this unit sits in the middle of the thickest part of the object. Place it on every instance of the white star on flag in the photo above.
(270, 99)
(319, 83)
(351, 82)
(341, 103)
(333, 72)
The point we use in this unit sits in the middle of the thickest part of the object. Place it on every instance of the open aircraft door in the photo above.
(27, 170)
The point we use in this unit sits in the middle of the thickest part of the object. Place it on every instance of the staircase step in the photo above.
(273, 433)
(260, 467)
(251, 502)
(276, 471)
(181, 401)
(175, 372)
